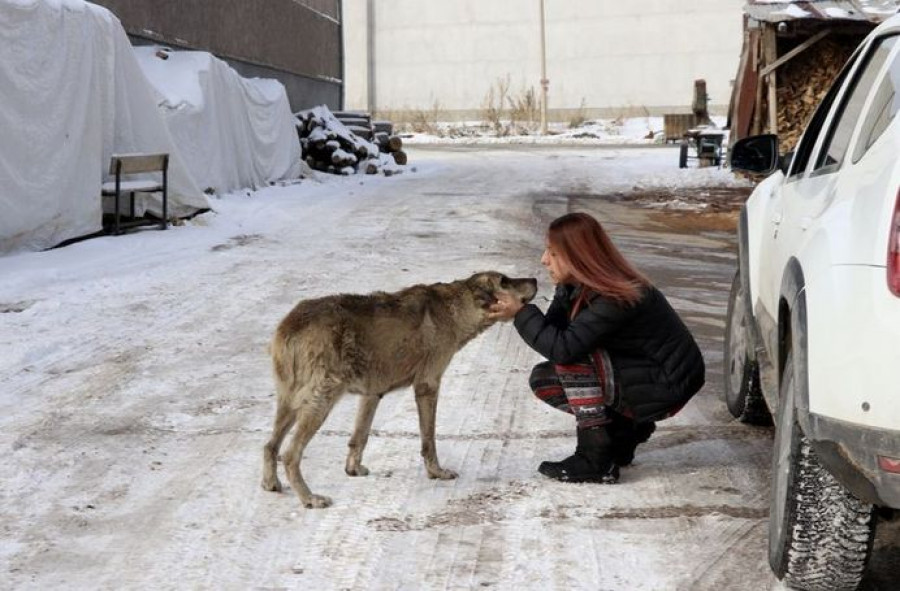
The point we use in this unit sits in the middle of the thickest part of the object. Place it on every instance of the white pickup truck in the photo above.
(813, 332)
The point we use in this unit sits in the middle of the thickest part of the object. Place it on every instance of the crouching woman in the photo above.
(619, 357)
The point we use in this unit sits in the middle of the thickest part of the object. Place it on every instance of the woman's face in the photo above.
(557, 267)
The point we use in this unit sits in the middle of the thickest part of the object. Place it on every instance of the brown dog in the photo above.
(370, 345)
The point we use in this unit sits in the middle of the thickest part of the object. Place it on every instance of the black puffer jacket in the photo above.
(656, 362)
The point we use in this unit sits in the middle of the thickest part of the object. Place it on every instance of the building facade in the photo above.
(603, 57)
(298, 42)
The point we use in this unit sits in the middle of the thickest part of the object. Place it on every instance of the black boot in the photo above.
(626, 435)
(591, 462)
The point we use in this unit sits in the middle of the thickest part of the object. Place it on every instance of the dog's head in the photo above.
(488, 285)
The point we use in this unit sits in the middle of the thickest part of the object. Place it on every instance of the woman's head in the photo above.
(580, 252)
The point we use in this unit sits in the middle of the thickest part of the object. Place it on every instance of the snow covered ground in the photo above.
(635, 131)
(135, 397)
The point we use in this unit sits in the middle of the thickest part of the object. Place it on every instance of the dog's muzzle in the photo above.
(525, 287)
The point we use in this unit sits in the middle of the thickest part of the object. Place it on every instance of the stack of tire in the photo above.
(379, 132)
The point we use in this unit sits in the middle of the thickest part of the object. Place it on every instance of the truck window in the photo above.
(885, 105)
(838, 139)
(814, 127)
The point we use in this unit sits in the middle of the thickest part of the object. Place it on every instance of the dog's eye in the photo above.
(504, 282)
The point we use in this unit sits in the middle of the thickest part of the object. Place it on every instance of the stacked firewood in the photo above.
(803, 82)
(387, 142)
(341, 147)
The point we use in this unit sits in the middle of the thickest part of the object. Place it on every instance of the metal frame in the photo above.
(127, 164)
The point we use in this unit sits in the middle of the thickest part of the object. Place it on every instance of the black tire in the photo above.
(683, 155)
(743, 394)
(820, 535)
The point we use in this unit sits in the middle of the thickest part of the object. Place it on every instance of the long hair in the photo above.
(595, 261)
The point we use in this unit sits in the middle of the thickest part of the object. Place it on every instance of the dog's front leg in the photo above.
(364, 415)
(426, 402)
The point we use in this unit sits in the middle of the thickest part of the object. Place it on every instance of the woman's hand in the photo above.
(504, 308)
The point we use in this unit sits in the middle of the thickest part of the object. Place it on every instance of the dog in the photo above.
(371, 345)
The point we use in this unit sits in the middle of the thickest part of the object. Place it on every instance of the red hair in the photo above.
(595, 261)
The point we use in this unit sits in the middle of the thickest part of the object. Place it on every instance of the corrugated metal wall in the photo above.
(296, 41)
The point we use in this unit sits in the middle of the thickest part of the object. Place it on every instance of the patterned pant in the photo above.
(586, 390)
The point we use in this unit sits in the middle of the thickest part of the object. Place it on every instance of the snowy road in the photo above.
(135, 397)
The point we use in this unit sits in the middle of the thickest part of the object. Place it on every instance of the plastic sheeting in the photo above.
(232, 132)
(71, 94)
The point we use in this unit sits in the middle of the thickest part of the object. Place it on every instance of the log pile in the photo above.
(802, 83)
(387, 142)
(342, 143)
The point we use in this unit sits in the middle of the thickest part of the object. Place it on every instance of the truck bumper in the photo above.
(851, 453)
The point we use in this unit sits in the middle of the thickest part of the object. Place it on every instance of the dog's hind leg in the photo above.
(310, 416)
(426, 403)
(284, 418)
(364, 415)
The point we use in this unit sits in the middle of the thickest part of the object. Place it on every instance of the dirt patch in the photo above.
(673, 512)
(15, 307)
(690, 223)
(695, 199)
(478, 508)
(695, 209)
(683, 210)
(236, 241)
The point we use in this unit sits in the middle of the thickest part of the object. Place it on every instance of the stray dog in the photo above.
(370, 345)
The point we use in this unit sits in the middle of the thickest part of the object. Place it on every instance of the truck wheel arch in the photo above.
(792, 335)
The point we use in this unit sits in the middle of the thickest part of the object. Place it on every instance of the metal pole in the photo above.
(544, 82)
(371, 96)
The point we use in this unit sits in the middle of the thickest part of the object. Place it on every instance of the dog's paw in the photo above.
(443, 474)
(317, 502)
(272, 484)
(358, 471)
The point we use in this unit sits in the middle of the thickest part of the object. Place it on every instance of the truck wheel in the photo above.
(743, 394)
(683, 155)
(820, 535)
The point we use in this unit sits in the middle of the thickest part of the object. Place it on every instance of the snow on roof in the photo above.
(857, 10)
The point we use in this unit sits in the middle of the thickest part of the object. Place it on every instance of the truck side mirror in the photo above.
(757, 154)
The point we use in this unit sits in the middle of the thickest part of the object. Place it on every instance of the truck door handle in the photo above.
(776, 219)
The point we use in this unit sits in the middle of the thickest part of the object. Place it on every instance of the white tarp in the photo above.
(232, 132)
(71, 94)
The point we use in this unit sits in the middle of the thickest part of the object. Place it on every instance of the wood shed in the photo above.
(792, 51)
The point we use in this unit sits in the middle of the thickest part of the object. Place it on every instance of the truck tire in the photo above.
(820, 535)
(743, 394)
(683, 155)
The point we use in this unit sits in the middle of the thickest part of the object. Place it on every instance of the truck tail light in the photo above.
(893, 257)
(889, 464)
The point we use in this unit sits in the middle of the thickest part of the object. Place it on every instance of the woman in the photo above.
(619, 357)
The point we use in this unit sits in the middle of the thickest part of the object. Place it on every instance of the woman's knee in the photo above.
(543, 375)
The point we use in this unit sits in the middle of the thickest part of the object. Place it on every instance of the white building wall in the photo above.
(612, 56)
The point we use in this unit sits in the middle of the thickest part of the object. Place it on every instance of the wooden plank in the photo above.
(758, 106)
(746, 100)
(796, 51)
(770, 45)
(134, 163)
